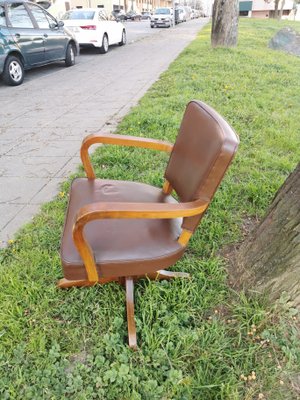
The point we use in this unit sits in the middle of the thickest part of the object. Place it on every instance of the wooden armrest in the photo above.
(122, 140)
(101, 210)
(95, 211)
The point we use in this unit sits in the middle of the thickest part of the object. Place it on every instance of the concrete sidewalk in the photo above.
(43, 122)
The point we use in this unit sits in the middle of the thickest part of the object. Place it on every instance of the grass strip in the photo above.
(198, 339)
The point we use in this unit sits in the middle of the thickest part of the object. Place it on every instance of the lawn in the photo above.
(198, 339)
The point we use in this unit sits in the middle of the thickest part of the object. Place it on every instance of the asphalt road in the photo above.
(43, 121)
(139, 30)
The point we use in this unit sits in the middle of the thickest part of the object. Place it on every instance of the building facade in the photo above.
(126, 5)
(265, 8)
(59, 7)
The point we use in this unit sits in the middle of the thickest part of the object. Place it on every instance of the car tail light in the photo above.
(89, 27)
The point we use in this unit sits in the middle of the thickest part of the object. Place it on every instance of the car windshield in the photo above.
(79, 14)
(162, 11)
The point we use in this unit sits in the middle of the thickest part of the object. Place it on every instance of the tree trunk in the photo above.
(224, 31)
(276, 13)
(269, 260)
(281, 9)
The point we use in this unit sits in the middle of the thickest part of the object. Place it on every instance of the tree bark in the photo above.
(269, 259)
(224, 32)
(276, 8)
(281, 9)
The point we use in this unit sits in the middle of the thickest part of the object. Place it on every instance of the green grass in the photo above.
(196, 337)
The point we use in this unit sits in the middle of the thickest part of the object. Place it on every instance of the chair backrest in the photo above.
(203, 150)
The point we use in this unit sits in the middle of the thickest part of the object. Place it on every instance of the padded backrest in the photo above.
(203, 150)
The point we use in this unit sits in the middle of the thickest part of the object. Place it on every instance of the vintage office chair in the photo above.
(122, 231)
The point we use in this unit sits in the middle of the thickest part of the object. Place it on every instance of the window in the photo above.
(18, 16)
(39, 16)
(51, 19)
(165, 11)
(78, 14)
(2, 16)
(102, 16)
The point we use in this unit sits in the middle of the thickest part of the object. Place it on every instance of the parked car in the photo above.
(188, 11)
(181, 14)
(196, 13)
(133, 16)
(146, 15)
(119, 15)
(93, 27)
(31, 37)
(162, 17)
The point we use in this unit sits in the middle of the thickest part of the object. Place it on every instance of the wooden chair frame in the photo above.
(103, 210)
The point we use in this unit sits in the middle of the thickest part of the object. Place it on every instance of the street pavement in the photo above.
(43, 121)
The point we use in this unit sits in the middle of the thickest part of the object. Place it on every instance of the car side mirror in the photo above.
(60, 24)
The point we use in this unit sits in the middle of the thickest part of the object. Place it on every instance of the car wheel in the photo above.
(104, 48)
(13, 72)
(123, 40)
(152, 26)
(70, 55)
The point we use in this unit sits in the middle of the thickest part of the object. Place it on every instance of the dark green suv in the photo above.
(31, 37)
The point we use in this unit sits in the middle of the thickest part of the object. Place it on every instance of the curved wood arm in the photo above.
(101, 210)
(123, 140)
(95, 211)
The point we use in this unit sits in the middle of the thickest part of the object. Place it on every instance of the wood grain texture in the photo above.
(153, 276)
(102, 210)
(167, 188)
(66, 283)
(185, 237)
(86, 253)
(130, 313)
(121, 140)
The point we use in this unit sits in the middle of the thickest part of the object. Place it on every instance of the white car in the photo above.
(181, 14)
(93, 27)
(163, 16)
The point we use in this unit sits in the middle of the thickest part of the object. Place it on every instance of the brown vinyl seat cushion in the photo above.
(122, 247)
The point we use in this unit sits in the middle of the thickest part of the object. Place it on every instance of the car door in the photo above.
(55, 38)
(26, 34)
(116, 29)
(105, 26)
